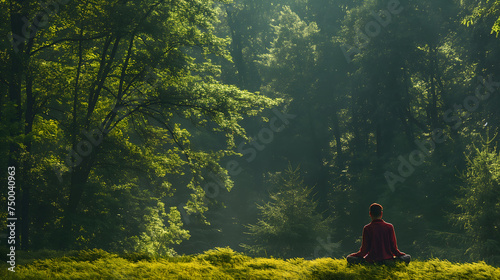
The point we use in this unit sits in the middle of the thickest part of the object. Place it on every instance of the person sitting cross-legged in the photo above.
(379, 242)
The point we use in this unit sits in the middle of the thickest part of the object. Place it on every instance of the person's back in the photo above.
(379, 241)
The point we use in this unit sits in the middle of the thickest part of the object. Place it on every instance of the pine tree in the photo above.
(289, 225)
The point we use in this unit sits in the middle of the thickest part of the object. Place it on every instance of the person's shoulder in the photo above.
(372, 224)
(387, 224)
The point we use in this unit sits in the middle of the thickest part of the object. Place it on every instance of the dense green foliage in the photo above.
(103, 106)
(384, 114)
(128, 123)
(223, 263)
(479, 202)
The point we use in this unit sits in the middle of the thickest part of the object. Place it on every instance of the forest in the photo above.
(168, 128)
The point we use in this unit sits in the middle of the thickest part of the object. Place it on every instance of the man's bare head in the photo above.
(376, 211)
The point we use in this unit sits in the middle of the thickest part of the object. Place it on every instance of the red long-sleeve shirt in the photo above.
(379, 242)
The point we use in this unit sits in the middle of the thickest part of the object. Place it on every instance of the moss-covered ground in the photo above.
(224, 263)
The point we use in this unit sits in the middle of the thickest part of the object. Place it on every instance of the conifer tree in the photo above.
(289, 224)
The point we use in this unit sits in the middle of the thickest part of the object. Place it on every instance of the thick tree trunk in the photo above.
(29, 118)
(16, 58)
(15, 85)
(80, 172)
(27, 165)
(79, 178)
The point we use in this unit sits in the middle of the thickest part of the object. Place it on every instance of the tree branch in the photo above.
(67, 40)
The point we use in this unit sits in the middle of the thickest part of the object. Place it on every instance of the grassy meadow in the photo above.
(224, 263)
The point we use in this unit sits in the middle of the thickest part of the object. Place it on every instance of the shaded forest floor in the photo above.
(223, 263)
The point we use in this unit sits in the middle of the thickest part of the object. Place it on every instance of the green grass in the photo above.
(224, 263)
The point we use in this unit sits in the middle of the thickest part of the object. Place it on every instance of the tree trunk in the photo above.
(237, 50)
(433, 106)
(15, 84)
(80, 173)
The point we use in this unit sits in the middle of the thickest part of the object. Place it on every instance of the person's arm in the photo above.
(394, 244)
(364, 245)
